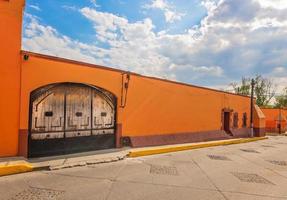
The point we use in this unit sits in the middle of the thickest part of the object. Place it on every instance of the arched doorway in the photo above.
(68, 118)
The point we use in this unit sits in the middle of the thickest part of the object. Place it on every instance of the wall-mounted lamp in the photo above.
(26, 57)
(125, 85)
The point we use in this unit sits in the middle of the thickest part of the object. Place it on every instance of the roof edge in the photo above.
(122, 71)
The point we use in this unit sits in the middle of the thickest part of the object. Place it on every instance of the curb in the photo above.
(11, 169)
(15, 169)
(86, 163)
(174, 148)
(27, 167)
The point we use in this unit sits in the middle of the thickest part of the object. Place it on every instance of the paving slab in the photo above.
(141, 191)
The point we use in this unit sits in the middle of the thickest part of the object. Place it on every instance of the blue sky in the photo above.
(203, 42)
(132, 10)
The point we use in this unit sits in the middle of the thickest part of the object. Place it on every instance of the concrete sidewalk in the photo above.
(16, 165)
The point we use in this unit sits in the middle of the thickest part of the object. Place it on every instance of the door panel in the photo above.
(103, 113)
(48, 115)
(78, 109)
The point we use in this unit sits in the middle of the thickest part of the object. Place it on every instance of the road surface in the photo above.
(256, 171)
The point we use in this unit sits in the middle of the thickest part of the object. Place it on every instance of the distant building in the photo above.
(51, 105)
(276, 120)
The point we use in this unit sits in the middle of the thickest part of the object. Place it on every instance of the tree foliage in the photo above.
(264, 89)
(244, 88)
(281, 100)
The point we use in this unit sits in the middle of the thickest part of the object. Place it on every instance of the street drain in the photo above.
(217, 157)
(249, 150)
(278, 162)
(39, 194)
(251, 178)
(163, 170)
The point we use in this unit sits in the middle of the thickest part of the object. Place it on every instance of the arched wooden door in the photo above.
(69, 118)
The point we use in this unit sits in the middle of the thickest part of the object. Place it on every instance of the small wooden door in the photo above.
(227, 122)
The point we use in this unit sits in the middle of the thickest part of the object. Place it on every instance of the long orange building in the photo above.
(52, 105)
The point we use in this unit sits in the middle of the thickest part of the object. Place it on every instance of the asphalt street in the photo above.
(256, 171)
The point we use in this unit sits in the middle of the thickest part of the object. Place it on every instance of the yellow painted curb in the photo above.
(146, 152)
(15, 169)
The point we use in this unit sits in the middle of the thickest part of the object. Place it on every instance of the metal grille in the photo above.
(217, 157)
(39, 194)
(163, 170)
(278, 162)
(249, 150)
(251, 178)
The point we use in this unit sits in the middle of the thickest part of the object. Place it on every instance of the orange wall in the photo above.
(272, 116)
(10, 41)
(259, 118)
(153, 107)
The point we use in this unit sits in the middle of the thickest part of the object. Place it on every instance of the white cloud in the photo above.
(278, 4)
(170, 14)
(94, 3)
(160, 4)
(212, 70)
(279, 71)
(279, 77)
(236, 38)
(47, 40)
(35, 7)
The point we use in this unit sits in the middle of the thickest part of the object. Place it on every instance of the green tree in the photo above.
(264, 89)
(244, 88)
(281, 100)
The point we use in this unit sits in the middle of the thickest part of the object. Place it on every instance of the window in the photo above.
(244, 120)
(235, 120)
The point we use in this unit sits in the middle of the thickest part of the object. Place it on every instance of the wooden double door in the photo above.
(69, 118)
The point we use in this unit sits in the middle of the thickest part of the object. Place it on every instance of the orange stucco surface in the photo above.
(275, 117)
(153, 106)
(10, 40)
(259, 117)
